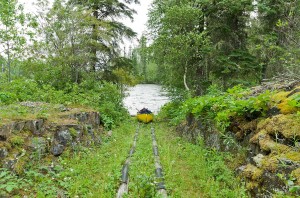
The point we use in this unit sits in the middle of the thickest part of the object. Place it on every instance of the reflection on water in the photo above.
(145, 95)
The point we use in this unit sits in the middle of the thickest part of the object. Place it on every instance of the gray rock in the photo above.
(91, 132)
(288, 162)
(3, 153)
(109, 133)
(240, 169)
(63, 137)
(258, 159)
(19, 126)
(35, 126)
(5, 131)
(57, 149)
(10, 163)
(213, 140)
(272, 183)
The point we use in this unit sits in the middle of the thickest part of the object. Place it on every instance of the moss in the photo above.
(73, 132)
(282, 101)
(6, 145)
(270, 163)
(296, 174)
(267, 144)
(257, 136)
(287, 125)
(16, 141)
(252, 172)
(252, 185)
(17, 112)
(286, 108)
(292, 155)
(273, 161)
(20, 165)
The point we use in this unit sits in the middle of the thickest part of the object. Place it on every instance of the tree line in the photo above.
(197, 43)
(65, 42)
(190, 44)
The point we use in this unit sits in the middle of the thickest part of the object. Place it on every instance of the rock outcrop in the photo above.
(272, 142)
(33, 139)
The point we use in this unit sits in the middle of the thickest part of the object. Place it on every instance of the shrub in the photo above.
(219, 106)
(104, 97)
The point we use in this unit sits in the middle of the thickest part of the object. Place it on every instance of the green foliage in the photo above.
(221, 42)
(104, 97)
(220, 106)
(203, 42)
(40, 181)
(295, 100)
(9, 182)
(16, 141)
(12, 33)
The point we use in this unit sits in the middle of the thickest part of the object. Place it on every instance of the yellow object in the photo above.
(146, 118)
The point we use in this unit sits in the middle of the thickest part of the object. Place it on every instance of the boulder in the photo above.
(3, 153)
(57, 149)
(63, 137)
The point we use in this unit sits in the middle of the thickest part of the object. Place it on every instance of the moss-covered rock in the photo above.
(286, 125)
(252, 172)
(283, 101)
(43, 138)
(296, 175)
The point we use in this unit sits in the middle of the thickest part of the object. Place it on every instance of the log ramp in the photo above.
(123, 189)
(158, 168)
(160, 185)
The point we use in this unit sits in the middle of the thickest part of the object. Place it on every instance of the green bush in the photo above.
(219, 106)
(102, 96)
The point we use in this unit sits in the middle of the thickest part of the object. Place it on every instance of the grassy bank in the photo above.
(88, 172)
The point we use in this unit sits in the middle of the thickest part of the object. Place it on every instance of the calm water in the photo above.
(145, 95)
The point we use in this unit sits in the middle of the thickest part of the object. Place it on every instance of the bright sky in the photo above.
(138, 25)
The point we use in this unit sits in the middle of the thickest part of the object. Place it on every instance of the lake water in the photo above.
(145, 96)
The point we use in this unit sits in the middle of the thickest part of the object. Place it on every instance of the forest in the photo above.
(231, 65)
(190, 45)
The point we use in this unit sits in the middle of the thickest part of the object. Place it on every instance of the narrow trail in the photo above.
(139, 172)
(149, 161)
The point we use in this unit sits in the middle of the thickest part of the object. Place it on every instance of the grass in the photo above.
(193, 171)
(51, 112)
(141, 180)
(97, 173)
(88, 172)
(189, 170)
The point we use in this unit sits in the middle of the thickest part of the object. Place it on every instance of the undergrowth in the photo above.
(85, 172)
(219, 106)
(102, 96)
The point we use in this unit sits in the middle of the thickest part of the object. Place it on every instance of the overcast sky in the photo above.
(138, 25)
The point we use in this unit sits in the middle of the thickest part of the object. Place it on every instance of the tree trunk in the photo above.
(95, 39)
(184, 77)
(8, 62)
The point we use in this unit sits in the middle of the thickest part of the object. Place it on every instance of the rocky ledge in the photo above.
(271, 143)
(42, 135)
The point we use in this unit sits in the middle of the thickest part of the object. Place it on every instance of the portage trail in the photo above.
(140, 160)
(150, 161)
(157, 167)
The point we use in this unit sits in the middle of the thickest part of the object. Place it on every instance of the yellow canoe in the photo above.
(146, 118)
